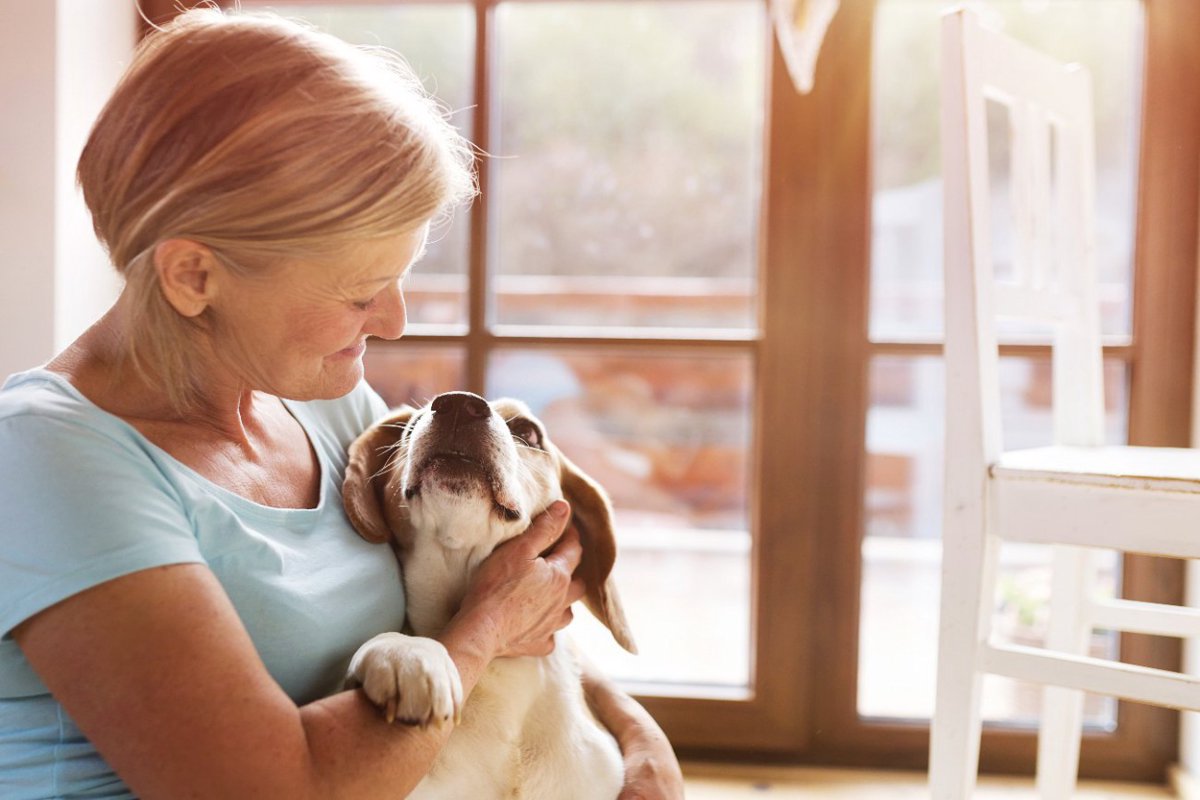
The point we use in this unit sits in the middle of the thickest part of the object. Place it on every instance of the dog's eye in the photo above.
(526, 432)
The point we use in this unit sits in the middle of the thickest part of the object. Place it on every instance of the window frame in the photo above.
(1159, 359)
(812, 357)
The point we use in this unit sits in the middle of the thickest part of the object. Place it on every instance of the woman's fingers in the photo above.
(576, 590)
(531, 593)
(567, 553)
(545, 529)
(545, 537)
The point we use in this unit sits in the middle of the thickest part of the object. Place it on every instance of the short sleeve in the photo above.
(81, 506)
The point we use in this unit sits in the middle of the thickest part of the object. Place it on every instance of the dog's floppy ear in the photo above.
(366, 476)
(591, 514)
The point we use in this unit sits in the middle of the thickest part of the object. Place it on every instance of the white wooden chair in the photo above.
(1077, 494)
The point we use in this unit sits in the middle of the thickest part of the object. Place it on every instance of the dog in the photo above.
(445, 485)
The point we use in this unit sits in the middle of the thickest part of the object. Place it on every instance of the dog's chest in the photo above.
(526, 734)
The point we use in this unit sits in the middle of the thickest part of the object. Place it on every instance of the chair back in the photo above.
(1051, 184)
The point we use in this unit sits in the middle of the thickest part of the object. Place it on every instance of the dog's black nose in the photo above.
(464, 405)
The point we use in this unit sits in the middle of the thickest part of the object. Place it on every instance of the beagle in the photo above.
(445, 485)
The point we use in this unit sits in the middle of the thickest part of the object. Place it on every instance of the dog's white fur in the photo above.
(445, 485)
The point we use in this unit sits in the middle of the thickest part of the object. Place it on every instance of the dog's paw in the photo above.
(411, 678)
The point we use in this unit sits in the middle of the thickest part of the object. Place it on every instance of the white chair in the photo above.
(1076, 495)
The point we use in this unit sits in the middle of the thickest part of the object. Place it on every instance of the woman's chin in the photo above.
(343, 380)
(334, 381)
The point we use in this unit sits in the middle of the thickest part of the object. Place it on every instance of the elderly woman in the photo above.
(180, 589)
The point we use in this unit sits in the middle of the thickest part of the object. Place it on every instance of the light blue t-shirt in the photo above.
(85, 498)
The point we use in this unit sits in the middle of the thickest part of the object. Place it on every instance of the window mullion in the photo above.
(479, 269)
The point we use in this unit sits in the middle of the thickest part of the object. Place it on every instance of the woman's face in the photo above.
(300, 330)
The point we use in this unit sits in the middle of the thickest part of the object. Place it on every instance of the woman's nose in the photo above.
(391, 315)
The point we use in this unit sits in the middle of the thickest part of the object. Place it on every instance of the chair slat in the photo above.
(1157, 619)
(1031, 203)
(1096, 675)
(1029, 303)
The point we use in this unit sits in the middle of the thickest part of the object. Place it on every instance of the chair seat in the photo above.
(1168, 469)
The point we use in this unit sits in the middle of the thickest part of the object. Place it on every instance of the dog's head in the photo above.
(465, 474)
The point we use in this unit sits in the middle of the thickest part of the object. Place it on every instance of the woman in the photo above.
(180, 590)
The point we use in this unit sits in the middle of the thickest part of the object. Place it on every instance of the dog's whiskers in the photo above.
(398, 451)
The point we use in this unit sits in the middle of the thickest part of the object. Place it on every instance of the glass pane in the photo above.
(438, 42)
(1104, 35)
(669, 437)
(413, 374)
(626, 183)
(902, 544)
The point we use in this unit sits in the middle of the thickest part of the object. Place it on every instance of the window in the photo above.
(725, 298)
(608, 277)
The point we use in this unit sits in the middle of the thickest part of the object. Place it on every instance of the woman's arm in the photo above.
(159, 673)
(651, 769)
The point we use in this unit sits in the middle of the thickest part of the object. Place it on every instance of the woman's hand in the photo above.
(524, 589)
(651, 769)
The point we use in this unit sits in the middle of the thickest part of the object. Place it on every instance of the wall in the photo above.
(59, 59)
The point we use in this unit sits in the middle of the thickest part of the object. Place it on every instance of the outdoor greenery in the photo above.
(1103, 35)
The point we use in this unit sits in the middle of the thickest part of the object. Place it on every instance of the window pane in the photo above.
(627, 177)
(438, 42)
(902, 542)
(413, 374)
(669, 437)
(1104, 35)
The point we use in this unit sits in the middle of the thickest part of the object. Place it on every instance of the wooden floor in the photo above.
(712, 782)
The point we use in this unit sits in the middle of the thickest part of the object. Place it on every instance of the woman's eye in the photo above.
(527, 433)
(364, 305)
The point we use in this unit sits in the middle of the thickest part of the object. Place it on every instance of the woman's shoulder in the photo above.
(43, 416)
(44, 394)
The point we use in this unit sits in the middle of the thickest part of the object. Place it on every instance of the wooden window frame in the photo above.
(812, 361)
(1160, 361)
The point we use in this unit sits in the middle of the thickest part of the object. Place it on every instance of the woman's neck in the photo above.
(97, 364)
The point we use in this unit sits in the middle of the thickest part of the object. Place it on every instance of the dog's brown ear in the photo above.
(366, 475)
(591, 514)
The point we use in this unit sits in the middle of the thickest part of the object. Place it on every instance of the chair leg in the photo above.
(1062, 709)
(1058, 743)
(968, 587)
(954, 740)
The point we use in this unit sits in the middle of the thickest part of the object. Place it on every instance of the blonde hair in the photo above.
(262, 139)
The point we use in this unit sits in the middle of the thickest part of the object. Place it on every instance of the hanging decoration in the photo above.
(800, 26)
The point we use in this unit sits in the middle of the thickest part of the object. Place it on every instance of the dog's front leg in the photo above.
(412, 678)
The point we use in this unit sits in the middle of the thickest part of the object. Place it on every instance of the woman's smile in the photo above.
(354, 351)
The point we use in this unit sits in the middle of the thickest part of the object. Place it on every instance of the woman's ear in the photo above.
(185, 273)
